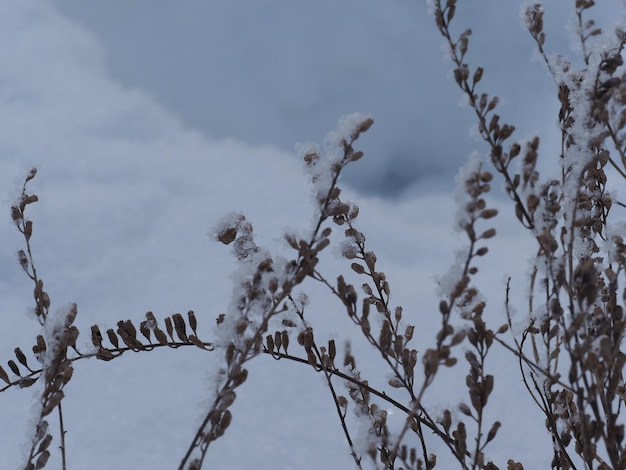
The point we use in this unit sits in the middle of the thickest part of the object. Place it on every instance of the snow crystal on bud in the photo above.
(614, 240)
(59, 320)
(347, 249)
(318, 168)
(432, 6)
(302, 299)
(324, 169)
(349, 128)
(364, 439)
(223, 229)
(528, 12)
(55, 327)
(235, 228)
(308, 149)
(447, 282)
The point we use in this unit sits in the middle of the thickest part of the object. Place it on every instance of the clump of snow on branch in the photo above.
(465, 174)
(318, 169)
(614, 240)
(55, 329)
(464, 220)
(347, 249)
(324, 167)
(588, 85)
(527, 9)
(448, 281)
(348, 128)
(234, 229)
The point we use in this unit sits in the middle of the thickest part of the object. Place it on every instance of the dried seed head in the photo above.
(96, 336)
(23, 259)
(21, 357)
(145, 331)
(278, 340)
(27, 199)
(160, 335)
(42, 460)
(490, 233)
(169, 327)
(181, 327)
(230, 353)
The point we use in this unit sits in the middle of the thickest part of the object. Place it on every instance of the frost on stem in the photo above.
(464, 175)
(472, 184)
(59, 334)
(234, 227)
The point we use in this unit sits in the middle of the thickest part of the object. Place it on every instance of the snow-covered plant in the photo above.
(568, 350)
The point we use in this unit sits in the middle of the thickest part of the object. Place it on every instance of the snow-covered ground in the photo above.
(128, 192)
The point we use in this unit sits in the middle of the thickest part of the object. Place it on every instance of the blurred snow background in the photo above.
(148, 121)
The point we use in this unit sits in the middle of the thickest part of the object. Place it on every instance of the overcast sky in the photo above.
(281, 71)
(148, 122)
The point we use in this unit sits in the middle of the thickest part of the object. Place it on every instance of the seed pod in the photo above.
(128, 341)
(408, 333)
(14, 368)
(240, 378)
(332, 350)
(45, 443)
(385, 337)
(105, 354)
(42, 460)
(193, 322)
(130, 329)
(181, 328)
(21, 358)
(4, 376)
(21, 256)
(493, 431)
(145, 331)
(194, 339)
(113, 338)
(357, 268)
(152, 321)
(53, 401)
(285, 339)
(160, 335)
(169, 328)
(278, 340)
(96, 336)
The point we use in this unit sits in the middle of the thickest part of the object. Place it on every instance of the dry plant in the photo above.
(569, 352)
